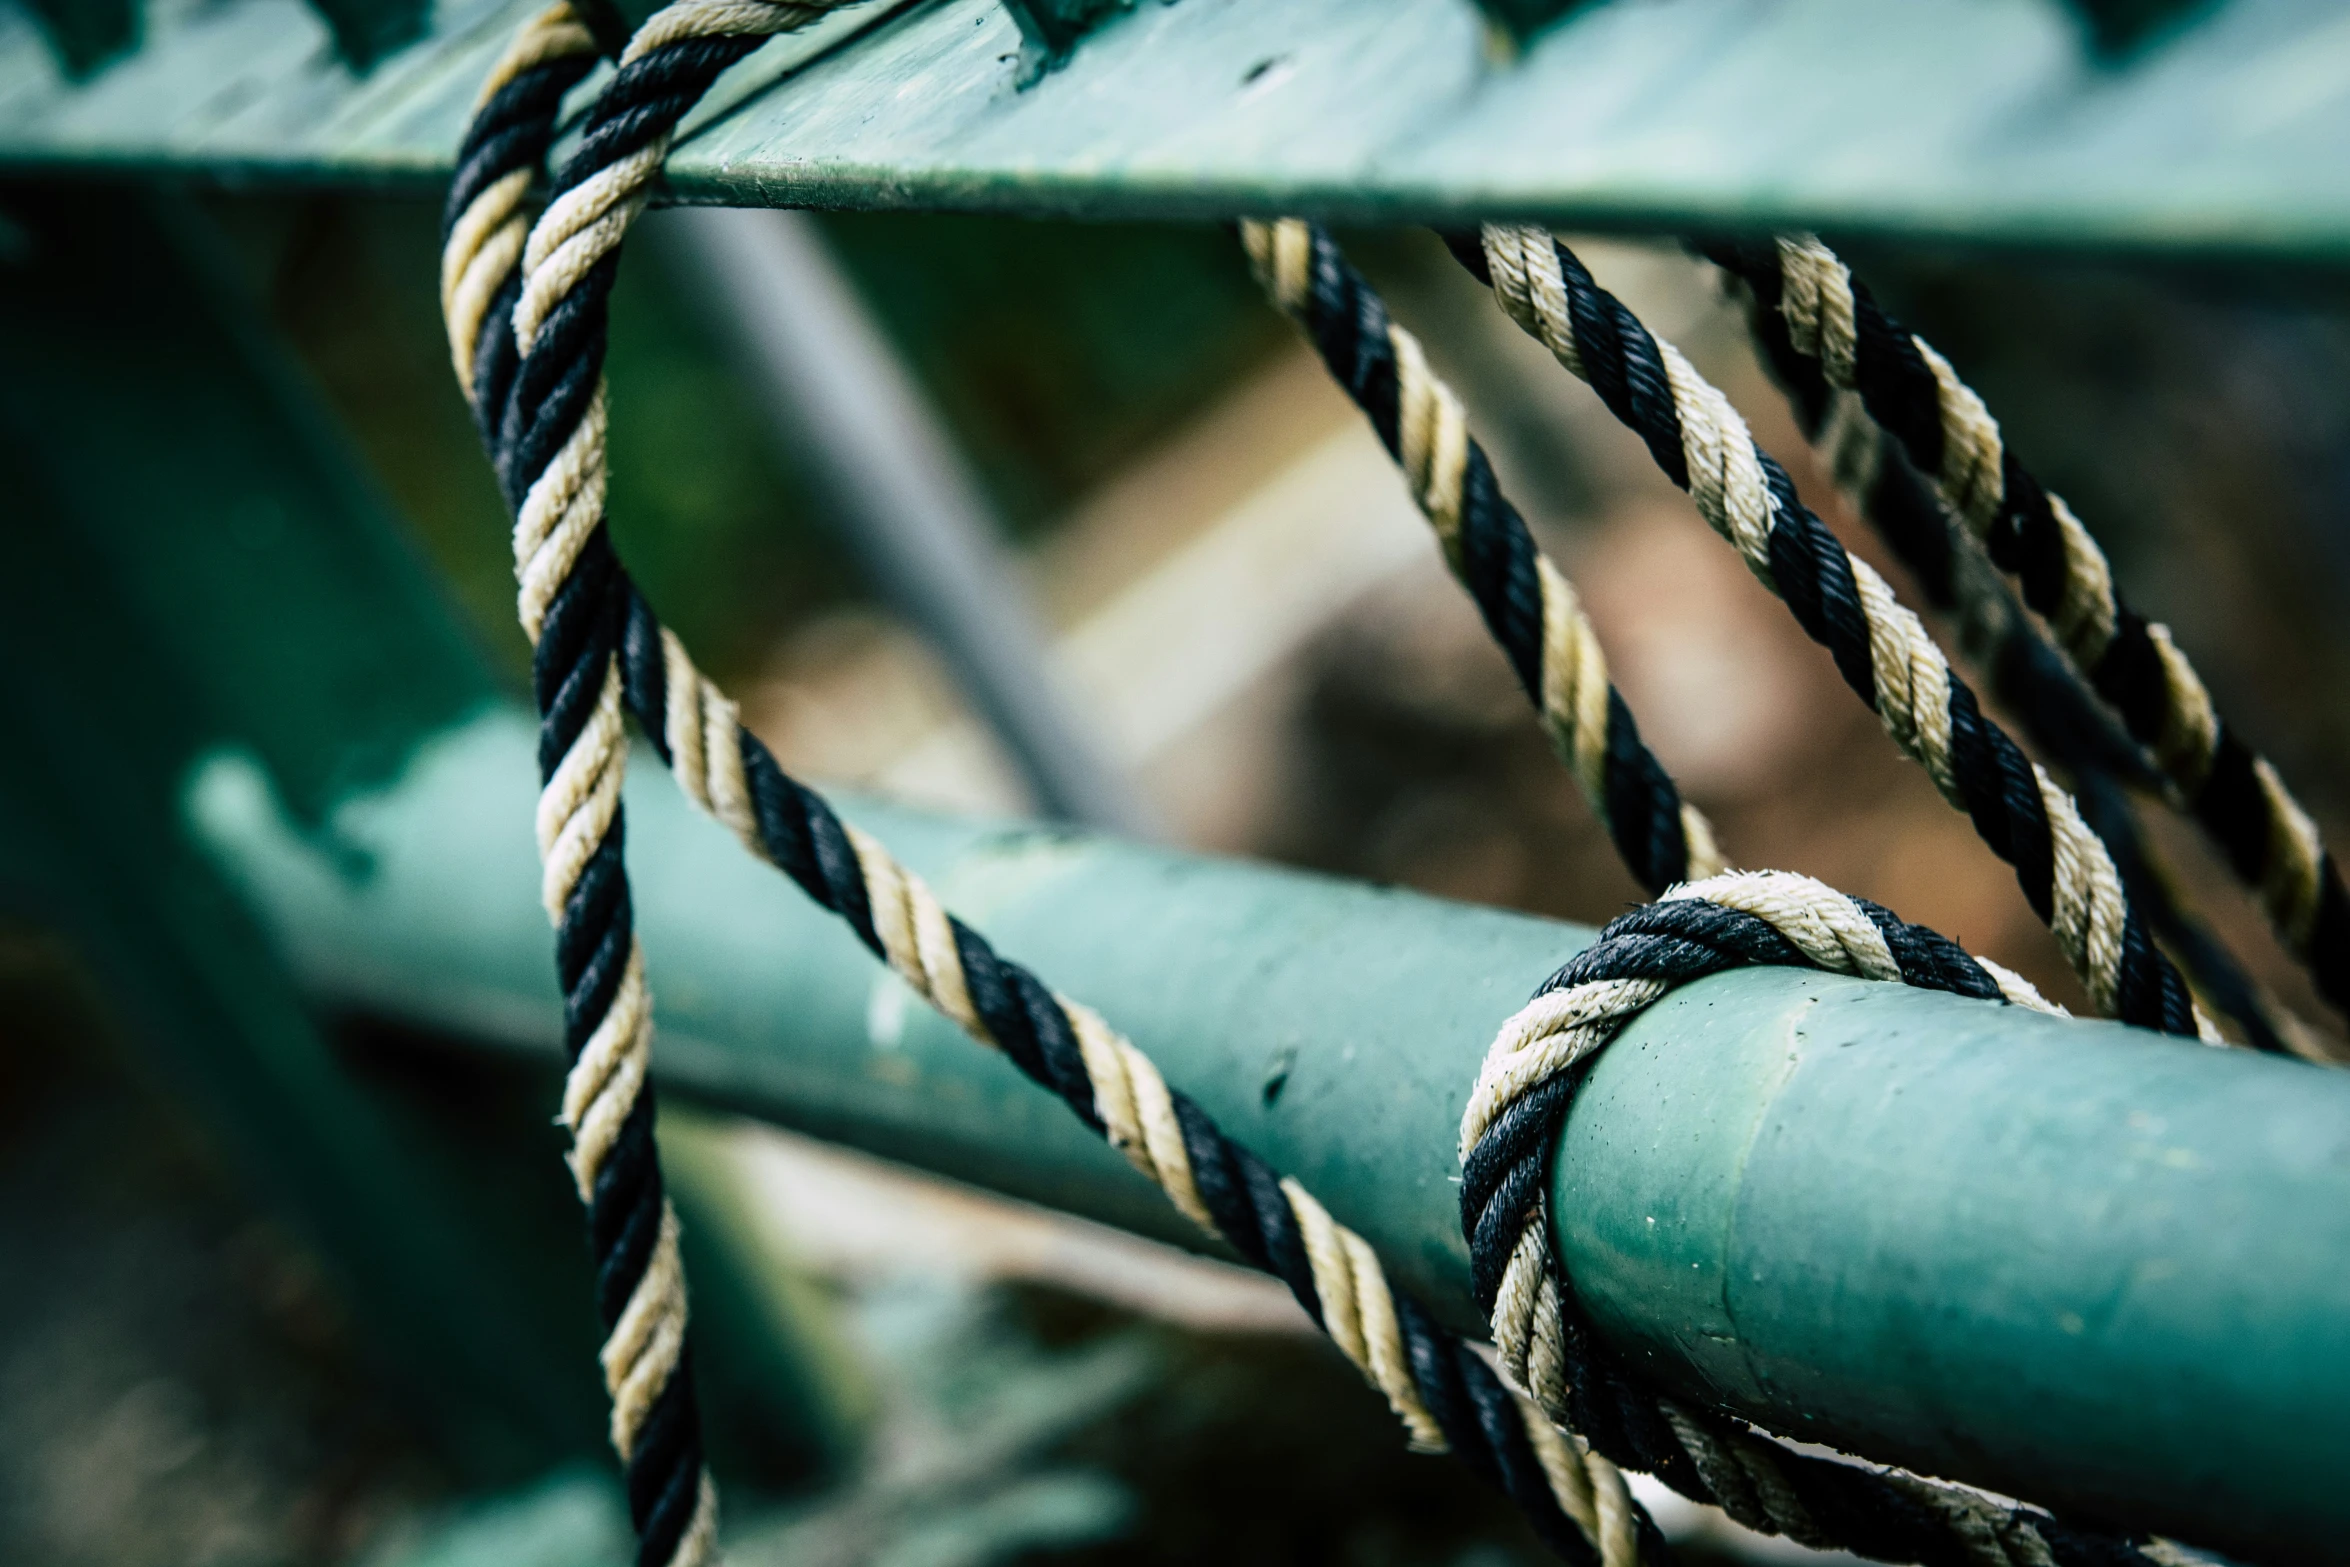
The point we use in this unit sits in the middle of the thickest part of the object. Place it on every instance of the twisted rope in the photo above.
(533, 354)
(599, 649)
(1527, 603)
(1545, 1345)
(1511, 1126)
(1882, 650)
(1823, 331)
(608, 1105)
(2030, 678)
(484, 218)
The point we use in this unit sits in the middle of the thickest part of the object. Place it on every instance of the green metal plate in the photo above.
(1982, 120)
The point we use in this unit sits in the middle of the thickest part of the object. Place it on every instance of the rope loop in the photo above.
(525, 312)
(1511, 1127)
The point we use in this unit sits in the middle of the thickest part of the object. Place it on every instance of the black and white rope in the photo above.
(1508, 1134)
(599, 650)
(1545, 1347)
(2030, 678)
(485, 216)
(1882, 650)
(1527, 603)
(607, 1012)
(1831, 343)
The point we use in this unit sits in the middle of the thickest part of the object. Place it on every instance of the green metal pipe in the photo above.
(2063, 1259)
(2059, 1259)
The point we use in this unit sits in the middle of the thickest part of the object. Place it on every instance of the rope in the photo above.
(527, 333)
(1882, 650)
(1527, 603)
(534, 354)
(1513, 1122)
(1824, 334)
(1542, 1342)
(607, 1009)
(2030, 678)
(1545, 1345)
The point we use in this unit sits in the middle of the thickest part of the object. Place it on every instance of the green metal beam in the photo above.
(2062, 1258)
(2002, 121)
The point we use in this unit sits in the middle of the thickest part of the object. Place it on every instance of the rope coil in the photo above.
(1512, 1125)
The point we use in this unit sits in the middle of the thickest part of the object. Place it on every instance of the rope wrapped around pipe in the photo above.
(1765, 1486)
(1511, 1127)
(527, 330)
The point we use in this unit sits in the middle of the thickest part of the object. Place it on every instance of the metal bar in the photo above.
(1996, 122)
(836, 396)
(2058, 1260)
(1871, 1216)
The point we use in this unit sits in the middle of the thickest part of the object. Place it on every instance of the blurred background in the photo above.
(1255, 638)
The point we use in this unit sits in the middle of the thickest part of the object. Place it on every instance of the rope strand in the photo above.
(1880, 647)
(2031, 679)
(1527, 603)
(607, 1008)
(1825, 316)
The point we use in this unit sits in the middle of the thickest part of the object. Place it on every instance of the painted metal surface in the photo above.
(1873, 1217)
(1988, 120)
(2059, 1259)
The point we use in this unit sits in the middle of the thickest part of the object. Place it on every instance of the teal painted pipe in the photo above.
(2062, 1259)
